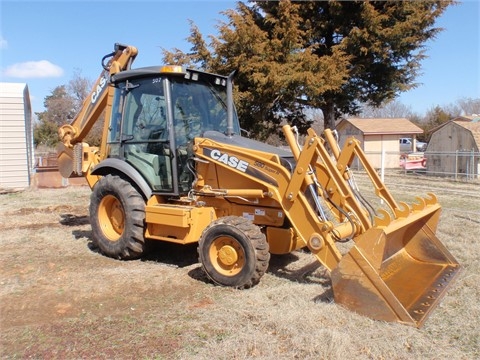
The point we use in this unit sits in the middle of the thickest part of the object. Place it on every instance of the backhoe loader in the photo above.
(173, 166)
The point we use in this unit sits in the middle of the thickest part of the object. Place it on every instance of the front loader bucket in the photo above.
(398, 270)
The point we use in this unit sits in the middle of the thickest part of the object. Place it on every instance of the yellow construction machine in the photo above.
(173, 166)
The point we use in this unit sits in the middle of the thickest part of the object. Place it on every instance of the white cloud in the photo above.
(3, 43)
(33, 69)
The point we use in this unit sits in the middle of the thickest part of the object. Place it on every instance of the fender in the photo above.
(106, 165)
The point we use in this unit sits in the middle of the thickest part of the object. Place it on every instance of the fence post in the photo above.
(382, 165)
(472, 164)
(456, 164)
(382, 168)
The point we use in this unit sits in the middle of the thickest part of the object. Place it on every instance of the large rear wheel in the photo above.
(234, 252)
(117, 215)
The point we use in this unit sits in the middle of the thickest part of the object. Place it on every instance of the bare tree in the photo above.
(61, 107)
(464, 106)
(79, 88)
(469, 106)
(393, 109)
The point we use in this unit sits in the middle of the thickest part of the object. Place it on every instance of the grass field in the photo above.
(60, 299)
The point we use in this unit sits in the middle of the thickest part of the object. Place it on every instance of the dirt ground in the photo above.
(61, 299)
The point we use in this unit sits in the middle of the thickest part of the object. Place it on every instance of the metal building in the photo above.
(16, 136)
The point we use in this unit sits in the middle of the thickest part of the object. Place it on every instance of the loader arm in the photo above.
(291, 191)
(396, 270)
(345, 159)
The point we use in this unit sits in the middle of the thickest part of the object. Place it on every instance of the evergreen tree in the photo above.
(331, 55)
(45, 133)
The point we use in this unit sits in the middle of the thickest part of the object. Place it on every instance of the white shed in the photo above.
(16, 136)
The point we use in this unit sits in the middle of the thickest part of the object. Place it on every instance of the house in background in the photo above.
(454, 148)
(378, 136)
(16, 136)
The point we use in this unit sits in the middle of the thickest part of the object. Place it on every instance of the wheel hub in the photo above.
(111, 217)
(116, 218)
(228, 255)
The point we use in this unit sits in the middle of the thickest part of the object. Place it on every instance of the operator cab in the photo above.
(157, 112)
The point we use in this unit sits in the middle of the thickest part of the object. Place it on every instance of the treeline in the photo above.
(303, 63)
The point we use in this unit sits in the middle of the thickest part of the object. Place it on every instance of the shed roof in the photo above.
(474, 118)
(384, 126)
(473, 127)
(12, 89)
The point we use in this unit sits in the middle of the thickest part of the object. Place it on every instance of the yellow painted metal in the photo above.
(227, 256)
(111, 217)
(397, 270)
(345, 158)
(169, 214)
(286, 192)
(179, 224)
(78, 161)
(65, 160)
(282, 241)
(247, 193)
(97, 103)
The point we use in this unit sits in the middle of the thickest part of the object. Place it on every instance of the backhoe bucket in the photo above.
(398, 270)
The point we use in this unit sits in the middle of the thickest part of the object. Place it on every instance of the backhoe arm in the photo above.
(79, 159)
(93, 106)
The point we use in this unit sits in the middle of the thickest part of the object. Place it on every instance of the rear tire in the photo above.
(117, 215)
(234, 252)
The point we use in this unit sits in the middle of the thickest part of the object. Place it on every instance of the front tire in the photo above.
(117, 215)
(234, 252)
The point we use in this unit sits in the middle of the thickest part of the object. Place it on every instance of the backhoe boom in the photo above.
(97, 102)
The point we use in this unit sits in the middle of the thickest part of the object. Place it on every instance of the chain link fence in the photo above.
(460, 165)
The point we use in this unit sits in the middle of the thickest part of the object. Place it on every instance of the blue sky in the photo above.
(43, 43)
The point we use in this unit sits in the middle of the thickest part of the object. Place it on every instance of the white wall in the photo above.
(16, 137)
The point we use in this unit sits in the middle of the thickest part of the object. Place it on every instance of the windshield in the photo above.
(198, 107)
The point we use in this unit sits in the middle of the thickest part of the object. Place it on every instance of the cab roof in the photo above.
(157, 70)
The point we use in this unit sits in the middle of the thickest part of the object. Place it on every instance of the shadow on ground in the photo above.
(288, 266)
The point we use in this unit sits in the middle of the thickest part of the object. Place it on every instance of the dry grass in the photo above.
(60, 299)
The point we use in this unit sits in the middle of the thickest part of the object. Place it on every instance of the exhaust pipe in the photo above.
(230, 131)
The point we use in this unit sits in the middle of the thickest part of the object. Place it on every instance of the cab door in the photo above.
(141, 135)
